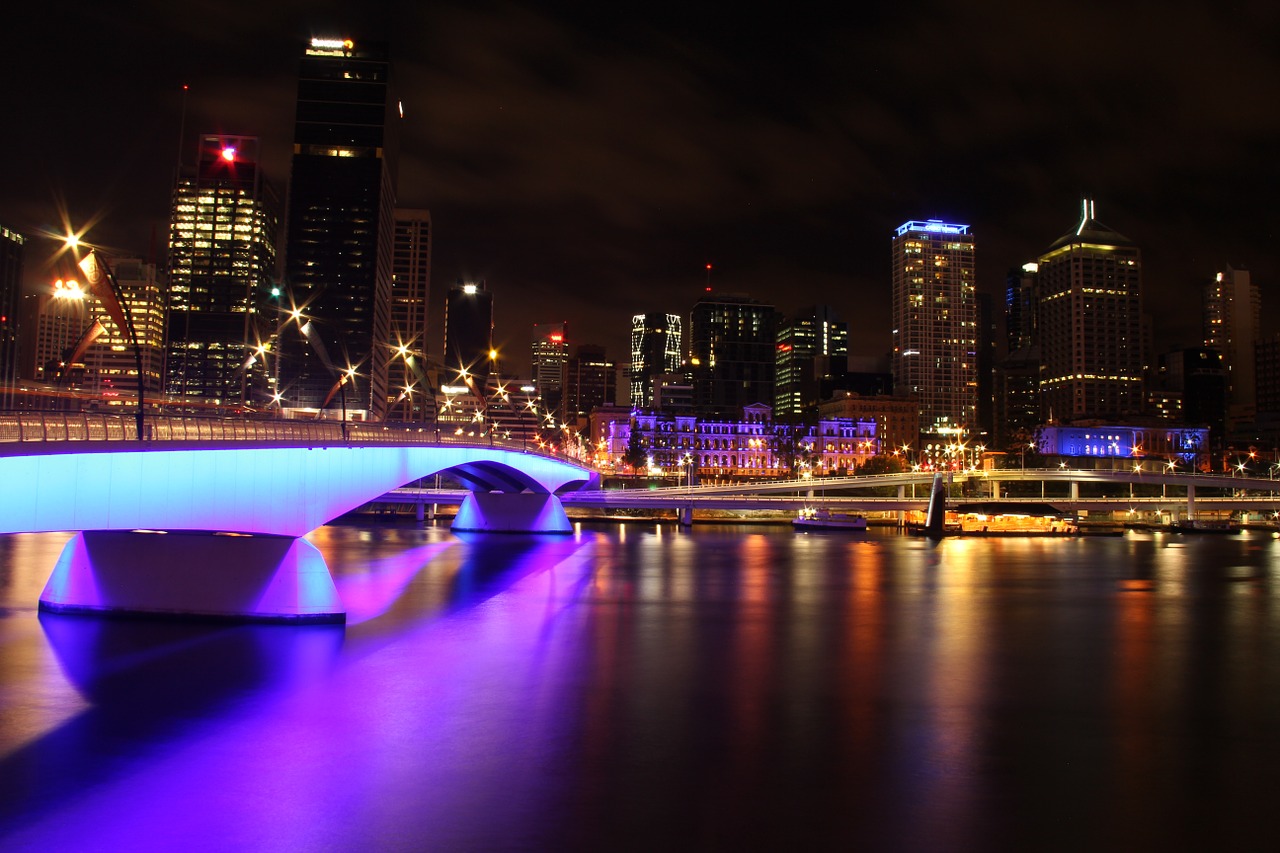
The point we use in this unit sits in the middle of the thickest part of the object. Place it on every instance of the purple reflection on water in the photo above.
(725, 688)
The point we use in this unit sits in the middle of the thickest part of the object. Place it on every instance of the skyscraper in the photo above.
(549, 347)
(340, 226)
(731, 345)
(112, 365)
(590, 383)
(656, 341)
(1090, 331)
(935, 321)
(11, 256)
(811, 346)
(222, 258)
(410, 296)
(468, 330)
(1232, 326)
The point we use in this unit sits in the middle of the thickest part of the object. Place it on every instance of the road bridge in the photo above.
(212, 525)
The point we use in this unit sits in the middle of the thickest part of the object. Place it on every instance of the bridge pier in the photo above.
(686, 516)
(184, 574)
(518, 512)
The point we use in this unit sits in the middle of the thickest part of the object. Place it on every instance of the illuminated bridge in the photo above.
(207, 517)
(1149, 489)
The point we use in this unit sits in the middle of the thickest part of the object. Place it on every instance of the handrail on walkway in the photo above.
(29, 427)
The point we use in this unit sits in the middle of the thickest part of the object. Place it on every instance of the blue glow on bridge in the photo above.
(216, 533)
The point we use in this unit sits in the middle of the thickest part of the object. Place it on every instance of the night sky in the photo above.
(588, 160)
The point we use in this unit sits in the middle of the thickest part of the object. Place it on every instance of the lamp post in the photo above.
(103, 284)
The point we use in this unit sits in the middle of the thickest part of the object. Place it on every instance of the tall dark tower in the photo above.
(11, 255)
(341, 224)
(468, 330)
(732, 339)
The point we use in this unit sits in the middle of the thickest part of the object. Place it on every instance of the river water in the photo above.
(643, 687)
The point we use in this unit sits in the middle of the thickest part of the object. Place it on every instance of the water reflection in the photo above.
(720, 688)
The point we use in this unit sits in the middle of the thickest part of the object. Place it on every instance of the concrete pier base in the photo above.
(193, 575)
(499, 512)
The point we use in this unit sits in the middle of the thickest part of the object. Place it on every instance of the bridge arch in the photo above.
(268, 498)
(281, 491)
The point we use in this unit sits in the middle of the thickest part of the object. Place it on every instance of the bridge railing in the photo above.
(49, 427)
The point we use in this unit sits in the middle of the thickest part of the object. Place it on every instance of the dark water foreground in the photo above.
(644, 688)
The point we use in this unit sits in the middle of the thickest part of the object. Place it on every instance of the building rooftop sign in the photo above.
(330, 47)
(933, 226)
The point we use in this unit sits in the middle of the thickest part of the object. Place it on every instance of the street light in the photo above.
(103, 284)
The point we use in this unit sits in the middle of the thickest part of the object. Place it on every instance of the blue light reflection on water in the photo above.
(730, 687)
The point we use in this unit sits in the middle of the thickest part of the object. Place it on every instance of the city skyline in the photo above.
(589, 168)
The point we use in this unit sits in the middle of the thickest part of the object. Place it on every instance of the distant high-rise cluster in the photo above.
(344, 309)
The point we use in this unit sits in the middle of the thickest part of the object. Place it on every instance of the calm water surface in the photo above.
(646, 688)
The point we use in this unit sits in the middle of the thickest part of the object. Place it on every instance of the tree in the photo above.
(635, 455)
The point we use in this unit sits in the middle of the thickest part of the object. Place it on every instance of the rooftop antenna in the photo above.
(708, 278)
(1086, 213)
(182, 129)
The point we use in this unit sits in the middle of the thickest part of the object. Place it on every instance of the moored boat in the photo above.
(821, 518)
(1203, 525)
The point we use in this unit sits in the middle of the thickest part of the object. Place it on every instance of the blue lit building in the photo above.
(1109, 446)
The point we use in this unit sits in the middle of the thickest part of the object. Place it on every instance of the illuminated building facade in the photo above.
(111, 364)
(549, 346)
(341, 225)
(656, 349)
(732, 340)
(749, 445)
(55, 323)
(468, 331)
(811, 346)
(410, 296)
(1091, 326)
(1232, 326)
(1118, 447)
(222, 259)
(12, 246)
(935, 325)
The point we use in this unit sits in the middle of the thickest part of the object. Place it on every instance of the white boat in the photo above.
(820, 518)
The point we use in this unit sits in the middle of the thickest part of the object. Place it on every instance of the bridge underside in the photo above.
(489, 512)
(217, 533)
(193, 575)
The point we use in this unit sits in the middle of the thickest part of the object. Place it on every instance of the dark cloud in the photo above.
(589, 160)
